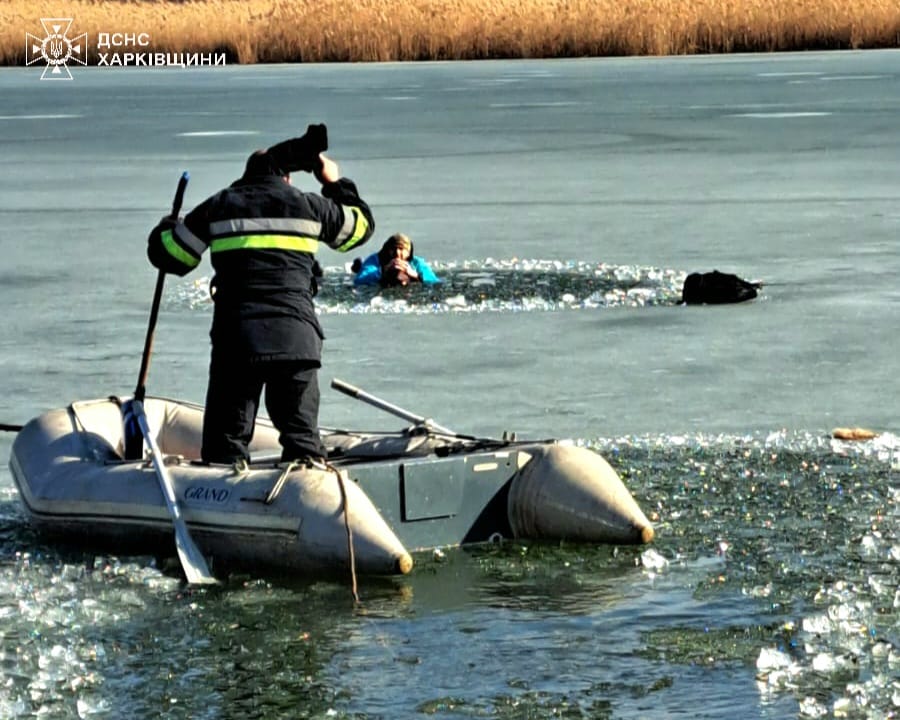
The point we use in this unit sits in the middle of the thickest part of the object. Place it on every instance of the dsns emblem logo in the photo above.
(56, 49)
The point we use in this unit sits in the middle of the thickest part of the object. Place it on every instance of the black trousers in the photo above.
(232, 402)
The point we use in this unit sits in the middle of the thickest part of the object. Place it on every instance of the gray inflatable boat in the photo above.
(377, 500)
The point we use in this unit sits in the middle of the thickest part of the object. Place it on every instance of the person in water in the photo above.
(396, 264)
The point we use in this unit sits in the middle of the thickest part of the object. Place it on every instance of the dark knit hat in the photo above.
(261, 164)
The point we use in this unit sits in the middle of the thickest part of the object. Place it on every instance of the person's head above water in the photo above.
(397, 247)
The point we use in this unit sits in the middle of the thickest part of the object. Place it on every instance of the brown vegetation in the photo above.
(254, 31)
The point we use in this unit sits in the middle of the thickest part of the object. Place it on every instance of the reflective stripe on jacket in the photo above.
(263, 234)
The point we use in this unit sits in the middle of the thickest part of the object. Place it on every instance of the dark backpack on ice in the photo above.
(716, 288)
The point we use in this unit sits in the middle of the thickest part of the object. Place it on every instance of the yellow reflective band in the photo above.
(359, 231)
(176, 251)
(265, 242)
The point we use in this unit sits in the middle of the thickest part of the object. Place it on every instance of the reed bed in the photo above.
(253, 31)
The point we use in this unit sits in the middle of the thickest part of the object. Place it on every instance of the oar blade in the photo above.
(192, 561)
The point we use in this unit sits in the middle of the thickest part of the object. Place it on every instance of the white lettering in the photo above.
(150, 59)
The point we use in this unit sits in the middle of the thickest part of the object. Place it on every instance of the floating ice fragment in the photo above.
(652, 560)
(810, 707)
(626, 274)
(772, 659)
(824, 663)
(86, 709)
(760, 591)
(841, 707)
(881, 649)
(870, 544)
(641, 294)
(877, 585)
(843, 612)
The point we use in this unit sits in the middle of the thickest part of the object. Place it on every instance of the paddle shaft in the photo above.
(355, 392)
(140, 388)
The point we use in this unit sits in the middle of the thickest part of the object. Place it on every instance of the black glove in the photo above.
(301, 153)
(318, 137)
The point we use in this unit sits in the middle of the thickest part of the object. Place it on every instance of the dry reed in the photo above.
(253, 31)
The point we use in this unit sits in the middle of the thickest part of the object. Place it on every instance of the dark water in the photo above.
(772, 589)
(562, 203)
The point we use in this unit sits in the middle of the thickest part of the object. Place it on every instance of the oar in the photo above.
(355, 392)
(10, 428)
(192, 560)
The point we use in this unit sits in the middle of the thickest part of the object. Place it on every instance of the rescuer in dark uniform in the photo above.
(262, 234)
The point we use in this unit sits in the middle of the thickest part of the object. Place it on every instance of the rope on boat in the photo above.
(350, 552)
(276, 489)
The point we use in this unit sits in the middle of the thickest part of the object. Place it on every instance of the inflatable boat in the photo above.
(375, 501)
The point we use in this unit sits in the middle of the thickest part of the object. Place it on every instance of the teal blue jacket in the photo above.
(370, 271)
